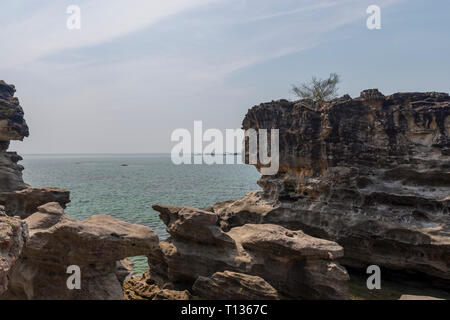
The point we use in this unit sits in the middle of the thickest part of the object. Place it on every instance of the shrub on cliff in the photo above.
(318, 90)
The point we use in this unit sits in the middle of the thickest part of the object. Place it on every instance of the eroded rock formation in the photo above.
(12, 127)
(23, 203)
(370, 176)
(234, 286)
(371, 173)
(58, 241)
(36, 251)
(144, 288)
(17, 197)
(251, 259)
(12, 123)
(13, 236)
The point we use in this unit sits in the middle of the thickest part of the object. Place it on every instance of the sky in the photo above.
(139, 69)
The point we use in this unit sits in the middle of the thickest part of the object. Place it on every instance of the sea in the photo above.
(126, 186)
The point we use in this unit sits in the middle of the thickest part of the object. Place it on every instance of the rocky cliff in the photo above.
(57, 241)
(362, 181)
(371, 173)
(17, 197)
(12, 124)
(13, 236)
(38, 242)
(254, 261)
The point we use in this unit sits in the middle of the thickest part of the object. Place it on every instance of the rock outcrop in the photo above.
(13, 236)
(23, 203)
(94, 245)
(144, 288)
(370, 176)
(38, 242)
(200, 255)
(371, 173)
(124, 269)
(12, 123)
(234, 286)
(12, 127)
(16, 196)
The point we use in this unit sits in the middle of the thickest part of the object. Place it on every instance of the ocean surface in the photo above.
(100, 184)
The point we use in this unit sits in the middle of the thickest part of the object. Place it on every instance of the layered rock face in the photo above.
(38, 242)
(254, 261)
(16, 196)
(58, 241)
(371, 173)
(234, 286)
(12, 127)
(13, 236)
(12, 123)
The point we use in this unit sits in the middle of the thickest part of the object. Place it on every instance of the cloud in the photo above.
(32, 36)
(138, 69)
(317, 6)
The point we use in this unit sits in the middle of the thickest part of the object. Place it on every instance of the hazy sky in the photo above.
(138, 69)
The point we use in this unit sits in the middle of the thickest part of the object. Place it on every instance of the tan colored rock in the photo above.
(124, 269)
(57, 242)
(38, 271)
(25, 202)
(279, 241)
(12, 123)
(143, 288)
(10, 171)
(230, 285)
(192, 224)
(291, 262)
(13, 237)
(370, 173)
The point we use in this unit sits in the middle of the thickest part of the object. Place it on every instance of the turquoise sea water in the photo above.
(99, 184)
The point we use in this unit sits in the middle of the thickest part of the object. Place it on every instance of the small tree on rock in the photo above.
(318, 90)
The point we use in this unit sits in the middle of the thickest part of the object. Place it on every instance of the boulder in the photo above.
(12, 124)
(124, 269)
(296, 265)
(230, 285)
(94, 245)
(23, 203)
(143, 288)
(13, 237)
(10, 172)
(370, 173)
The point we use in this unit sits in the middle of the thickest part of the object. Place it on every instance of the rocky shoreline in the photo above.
(362, 181)
(38, 241)
(371, 175)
